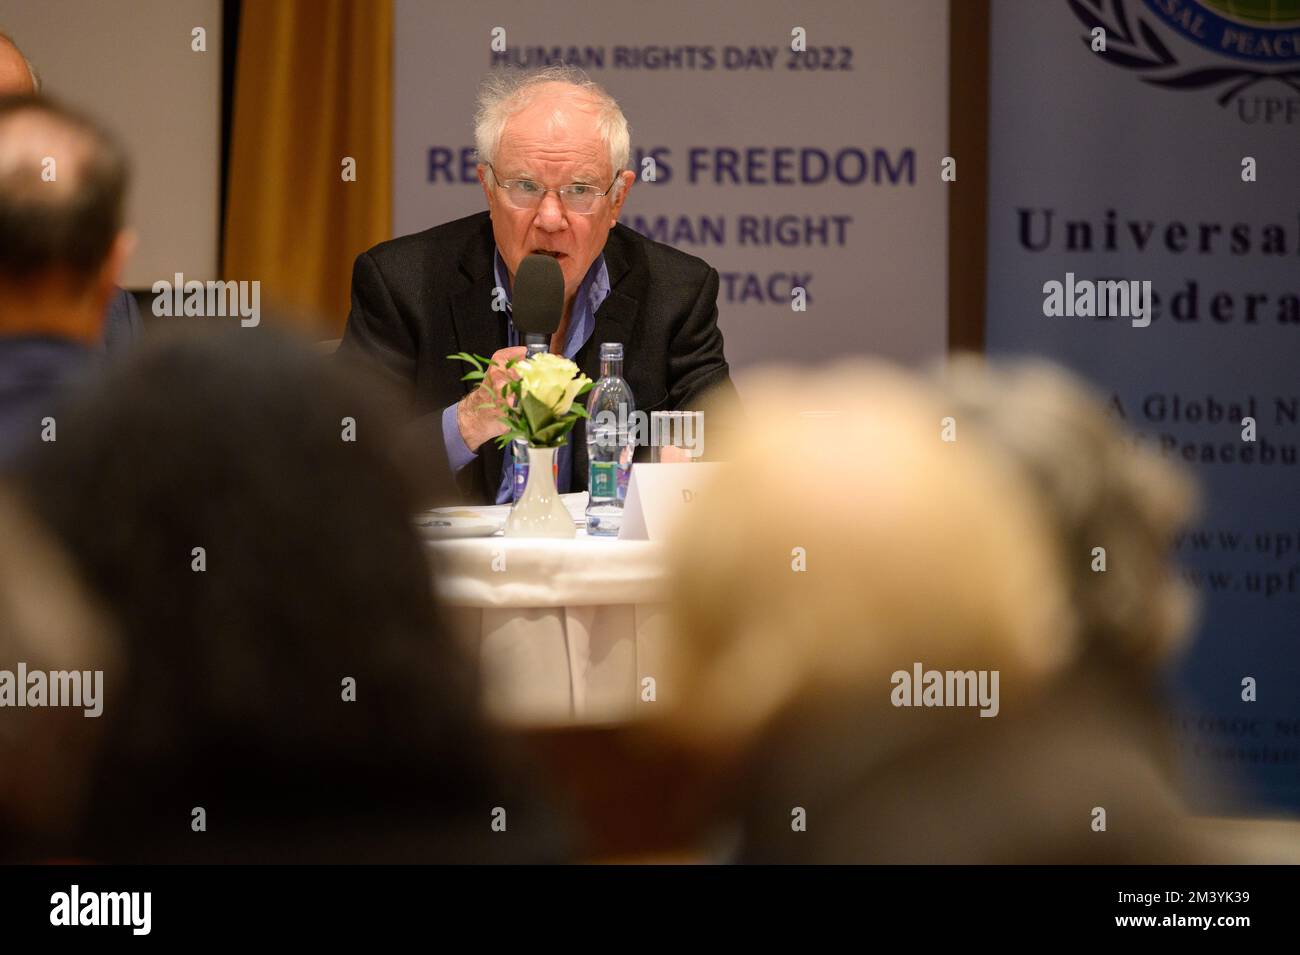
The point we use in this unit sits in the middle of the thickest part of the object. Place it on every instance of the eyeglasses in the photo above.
(576, 197)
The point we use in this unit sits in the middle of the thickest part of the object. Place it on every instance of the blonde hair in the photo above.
(1100, 489)
(850, 540)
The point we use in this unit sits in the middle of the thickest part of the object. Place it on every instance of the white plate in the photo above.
(436, 526)
(484, 520)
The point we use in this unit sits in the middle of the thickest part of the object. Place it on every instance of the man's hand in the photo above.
(476, 414)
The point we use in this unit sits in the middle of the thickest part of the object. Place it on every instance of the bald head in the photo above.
(62, 184)
(62, 243)
(17, 75)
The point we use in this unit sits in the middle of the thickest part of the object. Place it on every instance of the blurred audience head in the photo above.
(236, 503)
(858, 542)
(1100, 490)
(886, 525)
(17, 75)
(62, 244)
(48, 622)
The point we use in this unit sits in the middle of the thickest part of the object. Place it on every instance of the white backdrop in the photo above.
(129, 64)
(869, 245)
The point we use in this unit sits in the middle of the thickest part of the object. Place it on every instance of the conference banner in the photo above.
(796, 149)
(1160, 258)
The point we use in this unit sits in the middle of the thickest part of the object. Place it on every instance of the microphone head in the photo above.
(537, 300)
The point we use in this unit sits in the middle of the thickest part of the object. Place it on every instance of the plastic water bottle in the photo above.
(609, 444)
(536, 345)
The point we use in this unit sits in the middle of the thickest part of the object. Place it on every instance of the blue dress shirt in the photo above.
(582, 322)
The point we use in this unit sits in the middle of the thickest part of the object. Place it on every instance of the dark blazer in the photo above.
(418, 298)
(36, 373)
(122, 325)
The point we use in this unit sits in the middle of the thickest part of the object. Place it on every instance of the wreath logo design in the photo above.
(1143, 50)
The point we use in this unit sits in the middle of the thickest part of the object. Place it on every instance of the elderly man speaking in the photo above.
(553, 163)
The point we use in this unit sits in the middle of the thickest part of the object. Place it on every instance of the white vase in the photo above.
(539, 512)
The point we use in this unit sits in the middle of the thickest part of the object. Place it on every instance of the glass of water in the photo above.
(676, 437)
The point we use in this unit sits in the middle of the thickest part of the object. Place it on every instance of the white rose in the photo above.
(551, 380)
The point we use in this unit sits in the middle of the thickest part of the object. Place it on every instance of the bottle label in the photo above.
(602, 479)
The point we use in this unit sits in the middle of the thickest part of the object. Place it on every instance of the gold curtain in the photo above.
(313, 86)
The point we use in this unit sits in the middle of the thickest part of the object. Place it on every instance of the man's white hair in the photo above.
(505, 93)
(31, 70)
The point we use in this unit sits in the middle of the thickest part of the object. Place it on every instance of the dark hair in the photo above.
(44, 228)
(232, 696)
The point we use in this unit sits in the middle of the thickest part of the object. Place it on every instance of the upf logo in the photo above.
(1256, 44)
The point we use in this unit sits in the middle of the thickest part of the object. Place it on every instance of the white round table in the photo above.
(563, 630)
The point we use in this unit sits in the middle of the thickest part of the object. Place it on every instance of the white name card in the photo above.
(660, 494)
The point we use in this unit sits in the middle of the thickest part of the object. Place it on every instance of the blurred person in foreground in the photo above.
(62, 248)
(48, 623)
(293, 678)
(884, 547)
(122, 323)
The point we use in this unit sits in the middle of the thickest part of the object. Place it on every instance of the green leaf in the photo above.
(578, 410)
(539, 415)
(587, 387)
(505, 438)
(473, 376)
(467, 357)
(546, 436)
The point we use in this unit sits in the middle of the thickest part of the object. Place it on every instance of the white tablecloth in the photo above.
(563, 630)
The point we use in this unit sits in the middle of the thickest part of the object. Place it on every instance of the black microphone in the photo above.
(537, 302)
